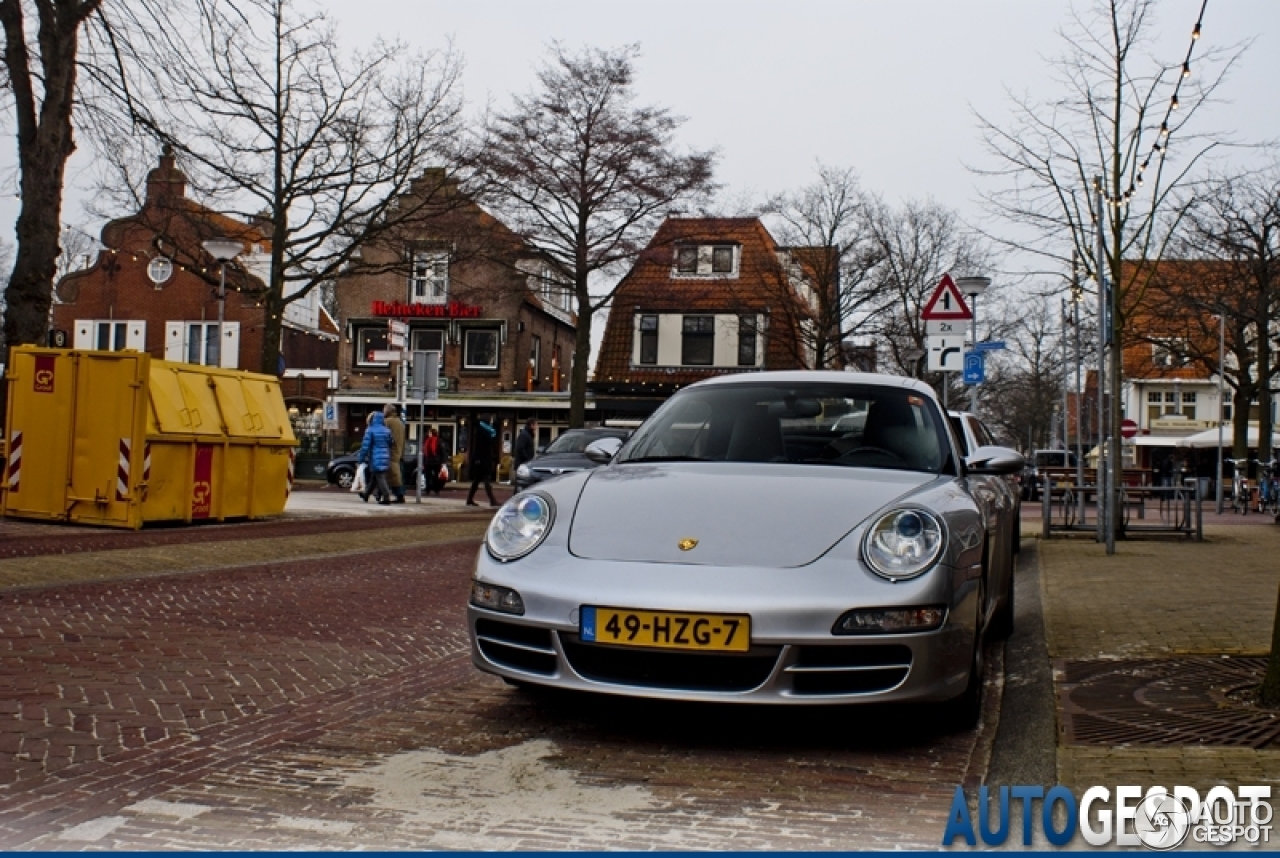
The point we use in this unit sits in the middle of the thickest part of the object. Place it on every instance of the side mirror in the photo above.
(994, 460)
(603, 450)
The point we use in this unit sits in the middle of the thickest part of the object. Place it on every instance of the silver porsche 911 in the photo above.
(777, 537)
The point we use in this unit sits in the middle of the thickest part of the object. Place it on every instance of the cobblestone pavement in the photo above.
(307, 684)
(1164, 599)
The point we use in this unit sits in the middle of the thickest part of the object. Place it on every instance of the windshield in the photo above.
(819, 424)
(576, 442)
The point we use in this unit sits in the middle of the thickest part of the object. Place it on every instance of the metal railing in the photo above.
(1177, 510)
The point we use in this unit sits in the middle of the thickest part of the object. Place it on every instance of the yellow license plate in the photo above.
(666, 629)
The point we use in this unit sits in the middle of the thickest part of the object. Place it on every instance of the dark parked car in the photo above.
(563, 455)
(341, 470)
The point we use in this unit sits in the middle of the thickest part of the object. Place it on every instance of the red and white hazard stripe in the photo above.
(15, 459)
(122, 470)
(146, 468)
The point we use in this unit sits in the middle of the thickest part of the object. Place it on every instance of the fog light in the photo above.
(502, 599)
(885, 621)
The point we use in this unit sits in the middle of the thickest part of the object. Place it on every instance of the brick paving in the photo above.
(307, 684)
(1163, 599)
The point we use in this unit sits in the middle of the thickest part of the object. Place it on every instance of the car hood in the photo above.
(771, 515)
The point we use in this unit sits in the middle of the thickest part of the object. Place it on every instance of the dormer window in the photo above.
(706, 260)
(687, 260)
(722, 260)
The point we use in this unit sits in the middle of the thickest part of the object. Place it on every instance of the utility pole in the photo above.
(1105, 532)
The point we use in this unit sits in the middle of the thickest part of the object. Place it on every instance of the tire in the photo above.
(1002, 620)
(344, 477)
(1001, 625)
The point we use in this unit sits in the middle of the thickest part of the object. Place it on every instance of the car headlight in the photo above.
(519, 526)
(523, 472)
(903, 543)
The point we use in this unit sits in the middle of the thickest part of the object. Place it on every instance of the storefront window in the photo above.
(307, 429)
(481, 349)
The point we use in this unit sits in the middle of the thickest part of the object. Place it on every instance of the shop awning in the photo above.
(1209, 438)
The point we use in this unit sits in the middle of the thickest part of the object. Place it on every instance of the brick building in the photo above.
(468, 288)
(708, 296)
(154, 288)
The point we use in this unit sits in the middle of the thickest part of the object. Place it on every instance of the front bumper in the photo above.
(794, 657)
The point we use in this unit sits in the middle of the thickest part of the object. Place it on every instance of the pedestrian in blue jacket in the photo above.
(375, 451)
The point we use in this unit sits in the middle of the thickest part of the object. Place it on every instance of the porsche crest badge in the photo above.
(687, 544)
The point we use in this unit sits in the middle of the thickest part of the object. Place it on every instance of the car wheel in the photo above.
(1001, 625)
(344, 477)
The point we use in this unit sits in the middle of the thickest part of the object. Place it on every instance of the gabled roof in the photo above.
(761, 285)
(1155, 287)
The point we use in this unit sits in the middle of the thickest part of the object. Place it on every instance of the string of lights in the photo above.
(1160, 147)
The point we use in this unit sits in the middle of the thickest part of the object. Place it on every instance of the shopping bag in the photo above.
(361, 482)
(443, 476)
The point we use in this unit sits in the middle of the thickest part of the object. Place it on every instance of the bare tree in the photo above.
(826, 226)
(1023, 386)
(914, 246)
(40, 66)
(1122, 129)
(586, 175)
(1233, 224)
(275, 124)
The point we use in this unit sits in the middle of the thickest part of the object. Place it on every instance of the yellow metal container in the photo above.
(121, 440)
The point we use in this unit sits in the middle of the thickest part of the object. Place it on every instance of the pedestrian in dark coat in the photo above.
(526, 444)
(395, 473)
(375, 451)
(483, 455)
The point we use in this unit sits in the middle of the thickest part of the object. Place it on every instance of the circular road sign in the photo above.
(1128, 428)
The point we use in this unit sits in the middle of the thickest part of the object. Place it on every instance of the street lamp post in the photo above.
(1222, 364)
(224, 250)
(913, 356)
(972, 287)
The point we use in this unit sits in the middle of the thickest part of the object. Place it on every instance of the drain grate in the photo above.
(1169, 701)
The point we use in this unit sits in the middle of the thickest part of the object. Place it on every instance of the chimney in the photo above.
(166, 180)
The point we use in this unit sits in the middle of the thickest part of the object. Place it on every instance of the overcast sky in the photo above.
(888, 87)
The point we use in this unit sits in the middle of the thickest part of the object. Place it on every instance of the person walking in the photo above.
(526, 445)
(483, 455)
(375, 451)
(395, 473)
(433, 461)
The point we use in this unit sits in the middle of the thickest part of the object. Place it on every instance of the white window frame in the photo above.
(467, 335)
(177, 345)
(429, 277)
(705, 268)
(122, 335)
(360, 349)
(554, 290)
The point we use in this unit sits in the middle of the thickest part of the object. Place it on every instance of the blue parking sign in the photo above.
(974, 370)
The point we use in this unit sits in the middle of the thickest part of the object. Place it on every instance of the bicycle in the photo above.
(1269, 488)
(1240, 492)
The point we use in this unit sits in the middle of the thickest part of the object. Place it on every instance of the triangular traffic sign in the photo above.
(947, 303)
